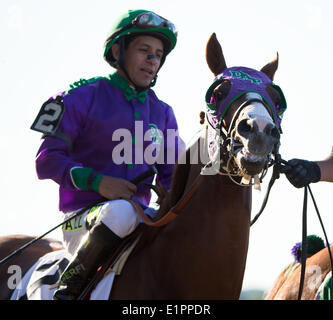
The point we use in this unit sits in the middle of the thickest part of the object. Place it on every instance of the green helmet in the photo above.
(144, 22)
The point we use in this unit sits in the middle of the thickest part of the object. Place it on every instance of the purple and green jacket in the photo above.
(94, 110)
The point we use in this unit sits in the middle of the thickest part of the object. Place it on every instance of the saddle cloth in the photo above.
(325, 290)
(40, 281)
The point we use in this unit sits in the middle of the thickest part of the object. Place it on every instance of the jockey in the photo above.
(302, 172)
(95, 142)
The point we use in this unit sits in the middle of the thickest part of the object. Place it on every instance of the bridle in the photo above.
(227, 146)
(225, 166)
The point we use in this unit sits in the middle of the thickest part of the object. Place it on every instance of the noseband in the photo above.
(227, 147)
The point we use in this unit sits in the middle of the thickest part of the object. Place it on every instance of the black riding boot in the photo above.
(101, 243)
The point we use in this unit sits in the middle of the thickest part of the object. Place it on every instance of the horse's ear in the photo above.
(270, 68)
(214, 55)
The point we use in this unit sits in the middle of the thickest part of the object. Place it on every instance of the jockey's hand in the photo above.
(116, 188)
(301, 172)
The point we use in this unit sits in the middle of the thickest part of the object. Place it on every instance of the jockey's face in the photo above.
(142, 59)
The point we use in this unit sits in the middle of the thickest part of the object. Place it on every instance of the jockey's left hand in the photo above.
(301, 172)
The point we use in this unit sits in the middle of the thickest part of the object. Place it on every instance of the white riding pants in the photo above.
(118, 215)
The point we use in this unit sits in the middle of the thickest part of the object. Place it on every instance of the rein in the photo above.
(304, 239)
(275, 175)
(173, 212)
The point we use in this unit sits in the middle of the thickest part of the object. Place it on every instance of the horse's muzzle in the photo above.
(259, 142)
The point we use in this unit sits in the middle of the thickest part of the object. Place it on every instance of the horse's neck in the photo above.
(205, 247)
(199, 255)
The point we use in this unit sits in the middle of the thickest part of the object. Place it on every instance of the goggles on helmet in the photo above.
(151, 20)
(148, 20)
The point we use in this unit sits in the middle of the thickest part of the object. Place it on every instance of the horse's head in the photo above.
(244, 111)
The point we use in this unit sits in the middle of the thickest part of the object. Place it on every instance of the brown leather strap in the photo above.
(173, 212)
(188, 195)
(148, 221)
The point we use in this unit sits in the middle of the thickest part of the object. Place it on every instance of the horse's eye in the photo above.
(274, 94)
(222, 90)
(218, 95)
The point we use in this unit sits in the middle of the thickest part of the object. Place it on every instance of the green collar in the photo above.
(119, 82)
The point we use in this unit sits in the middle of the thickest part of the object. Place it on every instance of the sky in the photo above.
(47, 45)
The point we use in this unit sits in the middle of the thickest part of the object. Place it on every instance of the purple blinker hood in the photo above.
(242, 80)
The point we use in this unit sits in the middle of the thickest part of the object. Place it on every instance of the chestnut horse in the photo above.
(10, 243)
(201, 254)
(286, 286)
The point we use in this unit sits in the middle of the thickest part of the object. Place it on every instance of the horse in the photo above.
(318, 270)
(13, 242)
(201, 252)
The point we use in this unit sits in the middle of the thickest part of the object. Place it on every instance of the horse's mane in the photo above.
(178, 184)
(179, 179)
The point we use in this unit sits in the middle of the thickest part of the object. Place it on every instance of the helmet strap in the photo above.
(153, 81)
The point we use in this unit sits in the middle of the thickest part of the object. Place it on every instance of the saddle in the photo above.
(118, 259)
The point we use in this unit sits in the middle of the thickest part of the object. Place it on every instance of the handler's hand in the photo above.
(116, 188)
(301, 172)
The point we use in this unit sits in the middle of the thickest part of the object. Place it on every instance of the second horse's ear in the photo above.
(270, 68)
(214, 55)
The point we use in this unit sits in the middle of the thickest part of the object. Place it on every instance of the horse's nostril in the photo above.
(243, 127)
(272, 131)
(275, 133)
(268, 130)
